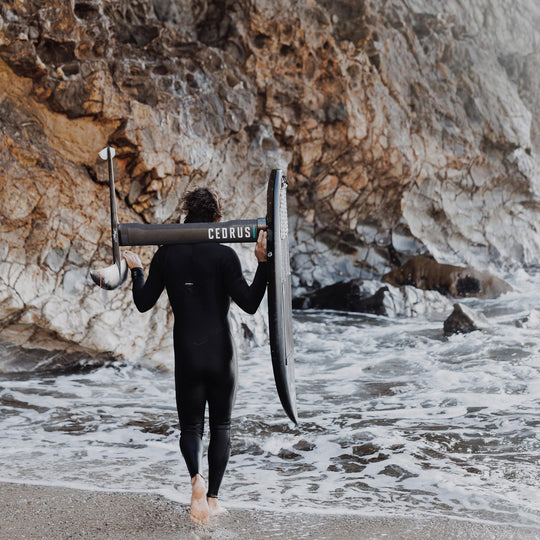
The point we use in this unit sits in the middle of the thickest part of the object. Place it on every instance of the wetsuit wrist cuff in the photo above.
(136, 271)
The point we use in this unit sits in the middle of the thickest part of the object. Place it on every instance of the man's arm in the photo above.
(248, 297)
(145, 294)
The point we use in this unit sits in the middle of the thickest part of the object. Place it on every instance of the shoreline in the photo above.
(33, 512)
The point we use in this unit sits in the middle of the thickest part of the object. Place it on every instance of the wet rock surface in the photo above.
(415, 124)
(344, 296)
(463, 320)
(49, 362)
(455, 281)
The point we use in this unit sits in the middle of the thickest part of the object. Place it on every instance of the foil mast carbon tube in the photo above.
(113, 276)
(137, 234)
(107, 154)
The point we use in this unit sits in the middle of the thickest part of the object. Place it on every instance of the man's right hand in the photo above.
(132, 259)
(260, 247)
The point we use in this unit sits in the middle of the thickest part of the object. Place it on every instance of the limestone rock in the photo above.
(416, 118)
(408, 301)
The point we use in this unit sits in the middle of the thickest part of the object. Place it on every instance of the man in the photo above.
(200, 280)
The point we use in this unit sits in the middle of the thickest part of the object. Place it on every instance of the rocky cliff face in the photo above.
(410, 122)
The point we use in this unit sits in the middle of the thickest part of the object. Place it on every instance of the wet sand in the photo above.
(45, 513)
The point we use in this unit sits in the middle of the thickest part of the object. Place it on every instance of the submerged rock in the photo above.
(304, 446)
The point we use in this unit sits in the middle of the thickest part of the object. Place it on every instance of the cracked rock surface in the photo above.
(410, 122)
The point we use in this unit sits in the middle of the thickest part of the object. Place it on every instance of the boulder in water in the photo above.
(344, 296)
(463, 320)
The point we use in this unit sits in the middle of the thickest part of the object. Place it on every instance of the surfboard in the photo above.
(279, 294)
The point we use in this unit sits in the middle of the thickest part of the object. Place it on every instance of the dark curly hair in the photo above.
(202, 206)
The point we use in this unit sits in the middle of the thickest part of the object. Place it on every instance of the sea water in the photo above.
(395, 419)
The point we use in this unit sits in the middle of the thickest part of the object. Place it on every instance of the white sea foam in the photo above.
(394, 419)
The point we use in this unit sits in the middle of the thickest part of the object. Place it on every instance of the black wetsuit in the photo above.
(200, 280)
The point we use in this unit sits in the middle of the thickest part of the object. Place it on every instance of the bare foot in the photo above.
(200, 513)
(215, 508)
